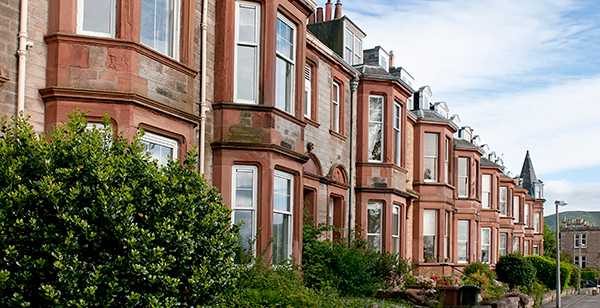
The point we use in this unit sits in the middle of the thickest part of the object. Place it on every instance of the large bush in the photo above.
(515, 270)
(589, 274)
(482, 268)
(546, 272)
(90, 221)
(354, 270)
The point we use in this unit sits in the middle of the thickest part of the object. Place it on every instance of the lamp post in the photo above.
(558, 203)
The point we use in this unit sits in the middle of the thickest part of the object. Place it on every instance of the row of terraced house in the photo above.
(291, 113)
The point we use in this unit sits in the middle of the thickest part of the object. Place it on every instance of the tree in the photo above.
(549, 242)
(90, 221)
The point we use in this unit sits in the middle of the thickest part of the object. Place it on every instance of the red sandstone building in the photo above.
(290, 113)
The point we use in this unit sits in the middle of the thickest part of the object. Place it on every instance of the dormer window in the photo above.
(352, 48)
(383, 63)
(441, 108)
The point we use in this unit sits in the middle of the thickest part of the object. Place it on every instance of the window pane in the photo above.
(157, 25)
(463, 240)
(429, 222)
(375, 108)
(285, 43)
(247, 24)
(375, 127)
(281, 194)
(246, 72)
(430, 156)
(98, 15)
(247, 230)
(283, 90)
(395, 222)
(374, 216)
(281, 237)
(374, 241)
(428, 246)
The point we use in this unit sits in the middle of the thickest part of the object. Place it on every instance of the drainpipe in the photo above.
(203, 85)
(22, 53)
(353, 86)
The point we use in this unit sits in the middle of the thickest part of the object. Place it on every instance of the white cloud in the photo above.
(580, 196)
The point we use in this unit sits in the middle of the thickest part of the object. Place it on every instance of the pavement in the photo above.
(577, 301)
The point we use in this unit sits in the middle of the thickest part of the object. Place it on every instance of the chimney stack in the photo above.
(328, 9)
(338, 9)
(392, 59)
(319, 14)
(311, 18)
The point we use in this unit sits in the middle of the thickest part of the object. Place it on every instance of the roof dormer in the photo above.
(441, 108)
(402, 73)
(377, 57)
(465, 133)
(422, 98)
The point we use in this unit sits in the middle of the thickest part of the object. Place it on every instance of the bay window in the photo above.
(283, 186)
(429, 234)
(486, 191)
(244, 201)
(396, 229)
(374, 218)
(161, 148)
(285, 64)
(463, 241)
(430, 160)
(502, 198)
(159, 26)
(375, 128)
(463, 177)
(96, 17)
(397, 133)
(486, 244)
(247, 52)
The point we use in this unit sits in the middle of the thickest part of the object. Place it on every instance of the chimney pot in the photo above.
(319, 14)
(328, 9)
(392, 59)
(338, 10)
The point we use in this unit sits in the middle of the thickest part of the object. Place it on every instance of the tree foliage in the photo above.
(546, 272)
(549, 242)
(89, 221)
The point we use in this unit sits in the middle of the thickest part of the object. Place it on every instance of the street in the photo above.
(579, 301)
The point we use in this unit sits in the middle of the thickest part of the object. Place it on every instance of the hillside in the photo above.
(591, 217)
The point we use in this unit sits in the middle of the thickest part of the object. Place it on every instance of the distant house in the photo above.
(577, 238)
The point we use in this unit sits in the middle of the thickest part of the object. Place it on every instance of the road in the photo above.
(577, 301)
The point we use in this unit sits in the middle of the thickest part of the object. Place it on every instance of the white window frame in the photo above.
(175, 34)
(516, 244)
(583, 263)
(396, 230)
(536, 222)
(255, 45)
(526, 214)
(348, 46)
(580, 238)
(335, 105)
(486, 191)
(463, 177)
(397, 133)
(375, 234)
(383, 63)
(434, 158)
(307, 91)
(430, 229)
(486, 246)
(288, 246)
(502, 244)
(536, 250)
(447, 160)
(291, 61)
(330, 214)
(81, 15)
(526, 247)
(447, 236)
(503, 204)
(254, 171)
(162, 141)
(464, 242)
(357, 51)
(516, 208)
(375, 122)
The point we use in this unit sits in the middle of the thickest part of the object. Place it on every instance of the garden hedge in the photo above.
(515, 270)
(546, 271)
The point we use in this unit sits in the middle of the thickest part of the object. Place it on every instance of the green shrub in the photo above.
(515, 270)
(575, 274)
(479, 267)
(86, 220)
(546, 271)
(354, 270)
(589, 274)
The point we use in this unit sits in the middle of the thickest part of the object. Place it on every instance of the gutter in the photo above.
(202, 85)
(22, 53)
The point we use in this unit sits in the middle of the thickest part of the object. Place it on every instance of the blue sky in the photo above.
(525, 75)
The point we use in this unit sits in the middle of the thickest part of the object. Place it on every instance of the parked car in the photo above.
(588, 284)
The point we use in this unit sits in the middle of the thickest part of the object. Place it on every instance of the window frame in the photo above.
(502, 239)
(447, 160)
(526, 210)
(433, 234)
(290, 92)
(255, 45)
(254, 208)
(536, 250)
(176, 31)
(486, 194)
(434, 158)
(308, 73)
(536, 222)
(462, 178)
(398, 133)
(336, 108)
(503, 204)
(488, 245)
(373, 234)
(163, 141)
(381, 131)
(81, 16)
(516, 208)
(396, 229)
(460, 243)
(288, 246)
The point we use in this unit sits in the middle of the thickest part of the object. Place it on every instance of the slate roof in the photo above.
(378, 72)
(431, 115)
(527, 173)
(461, 143)
(488, 163)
